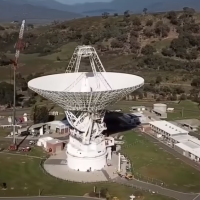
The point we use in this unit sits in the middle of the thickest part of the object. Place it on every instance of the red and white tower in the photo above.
(18, 46)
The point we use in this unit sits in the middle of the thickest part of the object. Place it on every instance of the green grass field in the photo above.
(24, 176)
(155, 165)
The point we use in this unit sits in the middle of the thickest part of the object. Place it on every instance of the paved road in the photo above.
(157, 189)
(50, 198)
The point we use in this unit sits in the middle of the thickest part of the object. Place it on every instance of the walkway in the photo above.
(50, 198)
(19, 154)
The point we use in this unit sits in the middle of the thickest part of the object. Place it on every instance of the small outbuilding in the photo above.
(60, 127)
(42, 142)
(55, 145)
(138, 108)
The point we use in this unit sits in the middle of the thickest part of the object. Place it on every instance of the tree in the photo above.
(171, 15)
(161, 29)
(134, 45)
(145, 11)
(158, 79)
(148, 50)
(6, 93)
(116, 44)
(39, 114)
(134, 34)
(105, 15)
(192, 55)
(31, 26)
(149, 22)
(148, 32)
(4, 60)
(104, 192)
(2, 28)
(195, 82)
(122, 38)
(167, 52)
(189, 12)
(21, 82)
(126, 13)
(136, 21)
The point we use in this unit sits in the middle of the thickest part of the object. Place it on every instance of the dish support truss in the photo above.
(95, 62)
(87, 127)
(85, 112)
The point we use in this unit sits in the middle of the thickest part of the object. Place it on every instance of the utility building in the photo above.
(60, 127)
(167, 130)
(178, 138)
(190, 149)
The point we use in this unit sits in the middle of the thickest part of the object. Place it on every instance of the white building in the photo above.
(167, 130)
(42, 142)
(138, 108)
(189, 148)
(60, 127)
(178, 138)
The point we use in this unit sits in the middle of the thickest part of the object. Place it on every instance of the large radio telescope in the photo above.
(84, 97)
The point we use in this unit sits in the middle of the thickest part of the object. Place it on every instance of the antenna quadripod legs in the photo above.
(84, 96)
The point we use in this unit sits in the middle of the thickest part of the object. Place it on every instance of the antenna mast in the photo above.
(19, 46)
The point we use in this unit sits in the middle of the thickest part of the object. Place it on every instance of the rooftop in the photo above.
(182, 138)
(168, 127)
(59, 123)
(54, 141)
(191, 148)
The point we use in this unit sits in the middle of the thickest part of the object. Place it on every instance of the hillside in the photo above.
(164, 48)
(167, 42)
(33, 13)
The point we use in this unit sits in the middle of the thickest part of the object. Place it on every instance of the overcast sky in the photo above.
(81, 1)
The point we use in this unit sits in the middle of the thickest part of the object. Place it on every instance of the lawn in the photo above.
(152, 164)
(24, 176)
(65, 52)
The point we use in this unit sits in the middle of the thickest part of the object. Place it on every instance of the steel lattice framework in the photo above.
(95, 62)
(89, 102)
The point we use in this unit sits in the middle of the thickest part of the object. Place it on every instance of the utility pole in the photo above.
(182, 112)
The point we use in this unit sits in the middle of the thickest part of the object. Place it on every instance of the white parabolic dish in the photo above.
(57, 88)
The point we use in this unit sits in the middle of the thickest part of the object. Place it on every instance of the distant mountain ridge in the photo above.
(53, 10)
(18, 9)
(136, 6)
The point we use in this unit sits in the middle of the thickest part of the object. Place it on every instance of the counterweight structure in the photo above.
(84, 97)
